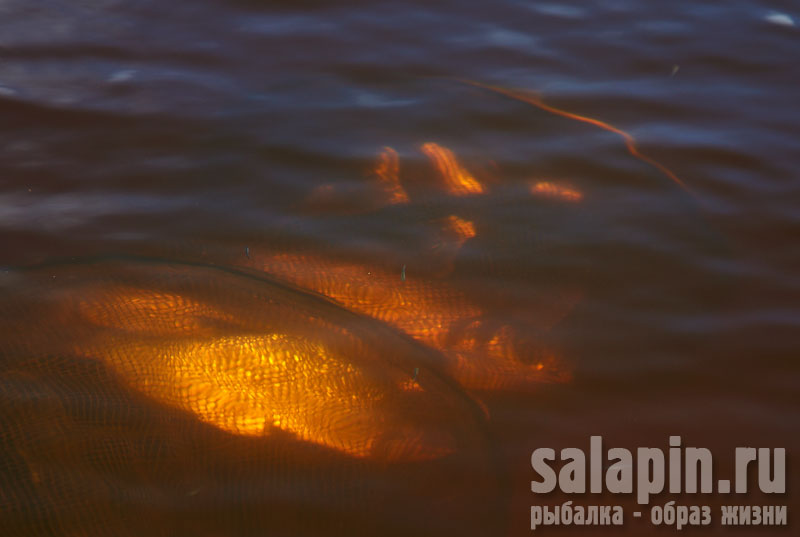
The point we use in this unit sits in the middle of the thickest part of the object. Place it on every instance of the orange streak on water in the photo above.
(447, 241)
(630, 142)
(463, 229)
(553, 190)
(459, 181)
(388, 172)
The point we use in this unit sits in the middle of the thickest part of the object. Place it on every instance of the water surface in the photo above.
(229, 133)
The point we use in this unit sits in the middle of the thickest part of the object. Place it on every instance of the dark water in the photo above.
(224, 133)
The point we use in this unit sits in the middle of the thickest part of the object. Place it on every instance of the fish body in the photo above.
(478, 353)
(491, 334)
(246, 355)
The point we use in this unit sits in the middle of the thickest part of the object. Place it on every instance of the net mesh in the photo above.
(104, 432)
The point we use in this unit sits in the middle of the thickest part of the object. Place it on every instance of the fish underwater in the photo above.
(273, 369)
(244, 354)
(481, 353)
(258, 385)
(135, 385)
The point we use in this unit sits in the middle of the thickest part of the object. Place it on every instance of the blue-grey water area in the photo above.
(469, 230)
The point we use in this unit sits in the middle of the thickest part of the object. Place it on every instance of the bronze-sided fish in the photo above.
(481, 353)
(243, 353)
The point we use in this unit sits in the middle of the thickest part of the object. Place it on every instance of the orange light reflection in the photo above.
(458, 181)
(630, 142)
(550, 189)
(387, 170)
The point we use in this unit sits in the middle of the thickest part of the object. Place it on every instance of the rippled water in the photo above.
(228, 133)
